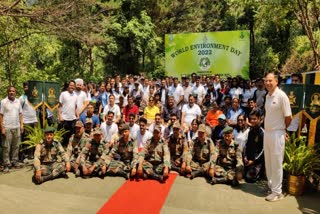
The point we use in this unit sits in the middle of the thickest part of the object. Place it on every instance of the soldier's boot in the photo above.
(157, 177)
(101, 175)
(77, 173)
(123, 174)
(197, 173)
(45, 178)
(235, 182)
(176, 169)
(218, 181)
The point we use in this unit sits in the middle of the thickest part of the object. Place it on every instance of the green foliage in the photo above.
(36, 135)
(300, 159)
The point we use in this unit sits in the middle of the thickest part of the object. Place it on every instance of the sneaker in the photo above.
(6, 169)
(274, 197)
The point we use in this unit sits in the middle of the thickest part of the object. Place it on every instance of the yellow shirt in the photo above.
(150, 112)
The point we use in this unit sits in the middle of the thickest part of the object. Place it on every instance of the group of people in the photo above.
(135, 127)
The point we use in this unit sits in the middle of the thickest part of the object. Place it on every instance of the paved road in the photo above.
(75, 195)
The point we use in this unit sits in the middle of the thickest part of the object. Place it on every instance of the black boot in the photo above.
(176, 169)
(218, 181)
(124, 174)
(197, 173)
(45, 178)
(157, 177)
(234, 182)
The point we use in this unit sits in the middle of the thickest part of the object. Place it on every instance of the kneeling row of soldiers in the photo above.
(92, 156)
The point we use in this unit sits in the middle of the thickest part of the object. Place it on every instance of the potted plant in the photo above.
(300, 161)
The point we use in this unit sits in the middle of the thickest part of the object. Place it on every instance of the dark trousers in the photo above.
(70, 127)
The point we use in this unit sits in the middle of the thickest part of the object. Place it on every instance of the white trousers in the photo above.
(273, 146)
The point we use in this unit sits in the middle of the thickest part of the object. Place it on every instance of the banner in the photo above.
(295, 94)
(312, 100)
(225, 53)
(51, 94)
(34, 93)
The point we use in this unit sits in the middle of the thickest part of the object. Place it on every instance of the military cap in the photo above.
(49, 129)
(202, 128)
(227, 130)
(79, 124)
(157, 128)
(222, 117)
(88, 120)
(125, 127)
(97, 131)
(176, 125)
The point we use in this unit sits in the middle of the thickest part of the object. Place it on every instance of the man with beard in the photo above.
(67, 111)
(76, 143)
(50, 159)
(169, 109)
(154, 159)
(190, 111)
(123, 157)
(109, 128)
(131, 108)
(82, 100)
(89, 113)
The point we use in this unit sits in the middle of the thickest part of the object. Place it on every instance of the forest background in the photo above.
(58, 40)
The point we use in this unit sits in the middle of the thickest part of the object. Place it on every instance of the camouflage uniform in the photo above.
(202, 156)
(123, 156)
(75, 146)
(49, 159)
(178, 150)
(94, 154)
(229, 160)
(154, 157)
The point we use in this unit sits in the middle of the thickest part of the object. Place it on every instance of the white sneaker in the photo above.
(274, 197)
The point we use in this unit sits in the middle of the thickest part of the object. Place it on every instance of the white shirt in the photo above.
(176, 92)
(294, 125)
(81, 99)
(200, 91)
(115, 109)
(187, 91)
(277, 107)
(28, 113)
(142, 139)
(190, 113)
(134, 130)
(151, 129)
(248, 93)
(108, 130)
(10, 111)
(241, 137)
(235, 92)
(68, 102)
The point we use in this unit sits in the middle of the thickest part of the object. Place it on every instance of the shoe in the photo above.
(6, 169)
(77, 173)
(16, 165)
(274, 197)
(234, 183)
(197, 173)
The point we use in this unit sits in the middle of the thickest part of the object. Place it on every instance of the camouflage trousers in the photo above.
(220, 172)
(116, 165)
(89, 164)
(53, 169)
(197, 166)
(150, 169)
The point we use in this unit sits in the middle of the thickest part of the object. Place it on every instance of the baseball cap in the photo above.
(79, 124)
(202, 128)
(222, 117)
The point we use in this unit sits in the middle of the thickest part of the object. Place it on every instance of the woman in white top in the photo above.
(241, 131)
(235, 90)
(247, 93)
(193, 132)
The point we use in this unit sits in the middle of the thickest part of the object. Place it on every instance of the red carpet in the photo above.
(143, 197)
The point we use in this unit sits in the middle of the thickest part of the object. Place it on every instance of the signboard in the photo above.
(51, 94)
(225, 53)
(312, 100)
(295, 94)
(34, 93)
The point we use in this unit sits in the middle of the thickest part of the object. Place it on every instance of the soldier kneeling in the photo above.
(50, 159)
(229, 168)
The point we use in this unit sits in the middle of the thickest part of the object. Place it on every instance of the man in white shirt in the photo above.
(114, 108)
(199, 91)
(109, 128)
(67, 111)
(11, 127)
(157, 122)
(277, 118)
(190, 111)
(133, 127)
(143, 135)
(29, 118)
(177, 92)
(82, 99)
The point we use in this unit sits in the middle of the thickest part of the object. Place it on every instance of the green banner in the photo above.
(295, 95)
(225, 53)
(312, 100)
(34, 93)
(51, 94)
